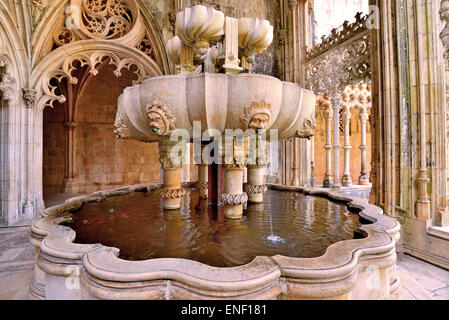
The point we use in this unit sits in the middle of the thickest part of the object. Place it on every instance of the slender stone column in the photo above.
(255, 188)
(335, 101)
(346, 180)
(171, 192)
(70, 174)
(293, 5)
(233, 197)
(312, 162)
(203, 183)
(363, 116)
(327, 183)
(295, 167)
(213, 184)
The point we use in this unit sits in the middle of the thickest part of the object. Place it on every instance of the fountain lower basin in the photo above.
(359, 268)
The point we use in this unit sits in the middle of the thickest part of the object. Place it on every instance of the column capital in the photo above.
(29, 96)
(293, 4)
(169, 159)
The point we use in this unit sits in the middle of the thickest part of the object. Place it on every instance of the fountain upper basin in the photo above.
(152, 110)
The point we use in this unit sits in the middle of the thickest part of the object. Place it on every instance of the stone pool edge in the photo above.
(350, 269)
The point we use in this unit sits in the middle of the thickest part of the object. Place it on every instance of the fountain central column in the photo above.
(171, 162)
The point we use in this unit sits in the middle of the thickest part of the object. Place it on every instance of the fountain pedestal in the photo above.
(233, 197)
(203, 173)
(202, 184)
(256, 185)
(171, 192)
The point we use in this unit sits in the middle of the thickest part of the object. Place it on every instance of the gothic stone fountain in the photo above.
(201, 107)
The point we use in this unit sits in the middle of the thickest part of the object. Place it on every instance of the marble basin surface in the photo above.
(152, 110)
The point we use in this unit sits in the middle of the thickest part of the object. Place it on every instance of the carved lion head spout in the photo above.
(161, 118)
(256, 116)
(308, 128)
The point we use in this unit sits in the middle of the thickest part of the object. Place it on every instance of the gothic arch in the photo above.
(12, 57)
(59, 64)
(142, 33)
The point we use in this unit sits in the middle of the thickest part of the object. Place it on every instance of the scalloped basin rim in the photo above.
(341, 257)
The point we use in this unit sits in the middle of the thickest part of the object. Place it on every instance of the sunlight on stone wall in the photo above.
(331, 14)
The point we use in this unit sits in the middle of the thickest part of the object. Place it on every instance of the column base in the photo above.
(255, 192)
(327, 182)
(423, 209)
(443, 217)
(336, 187)
(233, 205)
(346, 180)
(172, 198)
(364, 180)
(71, 186)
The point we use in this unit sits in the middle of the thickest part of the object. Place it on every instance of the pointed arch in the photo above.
(59, 64)
(145, 29)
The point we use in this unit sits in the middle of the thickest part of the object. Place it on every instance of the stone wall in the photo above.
(101, 161)
(54, 151)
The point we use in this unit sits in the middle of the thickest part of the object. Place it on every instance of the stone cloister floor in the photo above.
(420, 280)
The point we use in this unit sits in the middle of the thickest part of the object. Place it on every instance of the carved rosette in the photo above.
(161, 118)
(256, 116)
(255, 189)
(234, 199)
(172, 193)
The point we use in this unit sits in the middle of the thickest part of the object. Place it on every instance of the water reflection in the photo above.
(287, 223)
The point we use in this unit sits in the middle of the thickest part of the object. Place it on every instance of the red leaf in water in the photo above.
(121, 214)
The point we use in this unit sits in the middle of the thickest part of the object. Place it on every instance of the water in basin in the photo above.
(287, 223)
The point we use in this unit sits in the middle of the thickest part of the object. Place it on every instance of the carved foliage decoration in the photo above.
(161, 118)
(7, 83)
(347, 32)
(123, 131)
(356, 96)
(341, 59)
(308, 128)
(234, 199)
(444, 14)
